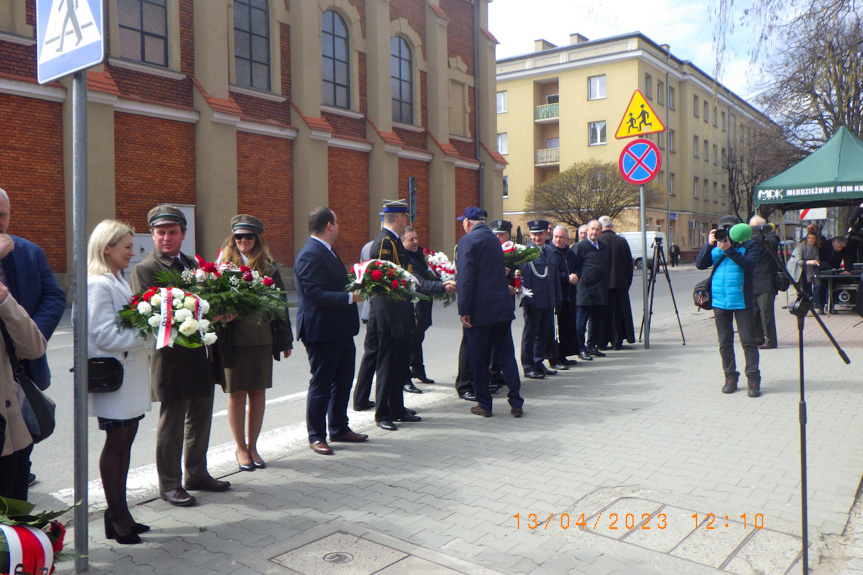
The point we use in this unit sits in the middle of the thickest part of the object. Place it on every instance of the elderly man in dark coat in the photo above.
(591, 295)
(180, 378)
(618, 326)
(567, 342)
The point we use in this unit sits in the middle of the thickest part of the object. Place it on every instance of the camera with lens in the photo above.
(720, 234)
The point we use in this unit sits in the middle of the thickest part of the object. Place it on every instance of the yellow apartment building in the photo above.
(562, 105)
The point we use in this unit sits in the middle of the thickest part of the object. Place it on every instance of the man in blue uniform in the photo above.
(541, 277)
(486, 311)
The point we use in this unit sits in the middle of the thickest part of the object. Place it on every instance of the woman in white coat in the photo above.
(108, 253)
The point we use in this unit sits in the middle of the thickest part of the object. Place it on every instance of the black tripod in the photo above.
(659, 264)
(800, 309)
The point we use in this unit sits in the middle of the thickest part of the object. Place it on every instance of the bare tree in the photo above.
(585, 191)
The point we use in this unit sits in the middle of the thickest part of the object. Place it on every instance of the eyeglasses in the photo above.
(239, 237)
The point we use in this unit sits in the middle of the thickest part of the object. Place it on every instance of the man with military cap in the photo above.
(393, 321)
(540, 276)
(180, 378)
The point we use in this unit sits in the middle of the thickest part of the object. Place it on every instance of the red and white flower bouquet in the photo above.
(172, 315)
(443, 269)
(516, 254)
(383, 278)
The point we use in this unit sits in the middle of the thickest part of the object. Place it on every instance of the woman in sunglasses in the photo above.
(251, 346)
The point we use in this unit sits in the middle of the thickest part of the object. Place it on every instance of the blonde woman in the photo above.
(108, 254)
(249, 347)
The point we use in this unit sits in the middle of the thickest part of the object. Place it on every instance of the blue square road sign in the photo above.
(70, 36)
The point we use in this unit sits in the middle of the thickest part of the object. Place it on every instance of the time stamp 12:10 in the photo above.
(630, 521)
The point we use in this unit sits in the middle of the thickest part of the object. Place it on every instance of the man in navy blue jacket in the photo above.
(485, 307)
(25, 270)
(732, 298)
(327, 321)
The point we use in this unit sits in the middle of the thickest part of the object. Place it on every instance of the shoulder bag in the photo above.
(702, 295)
(37, 408)
(105, 374)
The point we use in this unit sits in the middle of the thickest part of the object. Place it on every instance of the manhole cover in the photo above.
(338, 557)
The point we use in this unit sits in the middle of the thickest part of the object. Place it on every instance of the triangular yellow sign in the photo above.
(639, 119)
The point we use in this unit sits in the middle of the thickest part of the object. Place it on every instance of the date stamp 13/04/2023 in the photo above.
(630, 521)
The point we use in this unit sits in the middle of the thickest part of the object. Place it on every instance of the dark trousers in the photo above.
(416, 363)
(464, 379)
(481, 339)
(392, 368)
(15, 474)
(368, 365)
(745, 319)
(538, 327)
(765, 319)
(183, 433)
(594, 314)
(332, 365)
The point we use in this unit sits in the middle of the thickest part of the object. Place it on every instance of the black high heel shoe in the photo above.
(111, 533)
(259, 464)
(139, 527)
(246, 467)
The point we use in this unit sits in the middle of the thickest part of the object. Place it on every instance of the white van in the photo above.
(634, 239)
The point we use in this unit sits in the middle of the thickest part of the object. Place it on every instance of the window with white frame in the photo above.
(694, 187)
(596, 133)
(714, 116)
(502, 144)
(724, 157)
(672, 98)
(660, 92)
(724, 121)
(715, 154)
(706, 155)
(501, 102)
(715, 192)
(695, 106)
(671, 140)
(506, 186)
(695, 147)
(706, 115)
(648, 86)
(693, 234)
(704, 189)
(671, 183)
(596, 87)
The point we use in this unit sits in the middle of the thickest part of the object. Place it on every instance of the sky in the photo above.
(686, 25)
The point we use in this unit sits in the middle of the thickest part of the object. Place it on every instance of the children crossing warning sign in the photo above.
(639, 119)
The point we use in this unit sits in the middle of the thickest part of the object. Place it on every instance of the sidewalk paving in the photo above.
(630, 446)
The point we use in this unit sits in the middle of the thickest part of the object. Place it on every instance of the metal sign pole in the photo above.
(79, 300)
(646, 315)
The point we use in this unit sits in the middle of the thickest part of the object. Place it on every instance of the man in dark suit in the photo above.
(541, 277)
(327, 322)
(422, 310)
(619, 326)
(180, 378)
(591, 295)
(486, 310)
(393, 321)
(25, 271)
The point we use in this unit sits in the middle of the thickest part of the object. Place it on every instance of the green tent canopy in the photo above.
(830, 176)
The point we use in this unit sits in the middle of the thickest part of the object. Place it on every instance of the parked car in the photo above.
(635, 246)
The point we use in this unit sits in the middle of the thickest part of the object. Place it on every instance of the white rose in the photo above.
(189, 327)
(156, 300)
(210, 338)
(204, 324)
(182, 315)
(205, 307)
(201, 275)
(155, 320)
(225, 266)
(177, 293)
(144, 308)
(189, 303)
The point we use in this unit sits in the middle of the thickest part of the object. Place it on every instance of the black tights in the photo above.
(114, 468)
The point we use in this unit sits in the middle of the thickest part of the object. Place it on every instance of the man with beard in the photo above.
(618, 325)
(567, 343)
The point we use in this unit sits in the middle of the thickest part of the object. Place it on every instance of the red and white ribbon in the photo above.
(29, 549)
(163, 337)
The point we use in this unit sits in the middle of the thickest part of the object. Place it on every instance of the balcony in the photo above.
(547, 156)
(546, 112)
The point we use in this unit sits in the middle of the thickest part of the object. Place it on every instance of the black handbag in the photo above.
(701, 294)
(105, 374)
(37, 409)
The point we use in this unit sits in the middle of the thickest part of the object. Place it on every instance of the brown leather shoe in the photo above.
(321, 447)
(350, 437)
(178, 497)
(208, 484)
(477, 410)
(516, 411)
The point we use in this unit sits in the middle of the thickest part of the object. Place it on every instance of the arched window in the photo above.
(252, 43)
(335, 69)
(401, 79)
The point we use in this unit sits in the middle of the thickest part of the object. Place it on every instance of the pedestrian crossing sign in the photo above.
(639, 119)
(69, 37)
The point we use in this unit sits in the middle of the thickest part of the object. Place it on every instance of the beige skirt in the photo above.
(252, 369)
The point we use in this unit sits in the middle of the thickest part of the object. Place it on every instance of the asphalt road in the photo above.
(284, 423)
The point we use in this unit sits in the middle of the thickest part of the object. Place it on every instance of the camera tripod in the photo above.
(659, 264)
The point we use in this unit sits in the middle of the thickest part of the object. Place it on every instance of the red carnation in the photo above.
(210, 268)
(246, 270)
(396, 284)
(201, 261)
(377, 275)
(56, 534)
(390, 272)
(149, 294)
(427, 252)
(247, 277)
(268, 281)
(404, 283)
